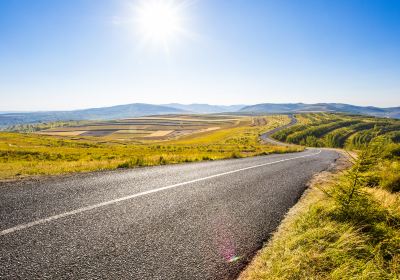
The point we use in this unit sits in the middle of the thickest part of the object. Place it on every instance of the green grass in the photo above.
(339, 130)
(23, 155)
(347, 226)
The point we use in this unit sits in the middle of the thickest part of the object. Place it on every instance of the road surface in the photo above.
(189, 221)
(266, 137)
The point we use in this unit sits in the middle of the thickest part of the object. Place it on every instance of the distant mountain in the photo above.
(393, 112)
(12, 112)
(205, 108)
(141, 109)
(105, 113)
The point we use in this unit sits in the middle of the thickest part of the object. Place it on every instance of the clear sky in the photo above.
(89, 53)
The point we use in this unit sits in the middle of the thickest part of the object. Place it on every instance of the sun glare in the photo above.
(159, 22)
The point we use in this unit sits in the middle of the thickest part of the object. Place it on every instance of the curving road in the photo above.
(192, 221)
(188, 221)
(266, 137)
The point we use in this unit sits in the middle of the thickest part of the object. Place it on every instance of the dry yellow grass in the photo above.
(23, 155)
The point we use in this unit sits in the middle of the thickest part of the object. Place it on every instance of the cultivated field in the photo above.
(148, 128)
(136, 142)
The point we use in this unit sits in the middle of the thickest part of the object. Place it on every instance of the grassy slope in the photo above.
(24, 155)
(314, 242)
(339, 131)
(347, 226)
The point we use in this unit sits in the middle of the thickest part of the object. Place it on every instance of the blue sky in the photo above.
(88, 53)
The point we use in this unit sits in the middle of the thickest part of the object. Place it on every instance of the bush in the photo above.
(389, 174)
(207, 158)
(236, 155)
(132, 163)
(391, 151)
(163, 160)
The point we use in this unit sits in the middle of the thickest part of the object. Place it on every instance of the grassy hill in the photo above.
(339, 130)
(347, 226)
(323, 107)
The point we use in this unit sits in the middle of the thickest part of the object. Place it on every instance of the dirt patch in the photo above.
(259, 121)
(209, 129)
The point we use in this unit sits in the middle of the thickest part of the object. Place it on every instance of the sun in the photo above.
(159, 22)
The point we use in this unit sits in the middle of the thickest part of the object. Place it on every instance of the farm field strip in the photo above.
(161, 128)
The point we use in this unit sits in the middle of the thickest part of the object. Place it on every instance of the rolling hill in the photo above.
(205, 108)
(105, 113)
(112, 113)
(142, 109)
(393, 112)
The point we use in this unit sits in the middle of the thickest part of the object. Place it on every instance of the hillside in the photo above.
(323, 107)
(339, 131)
(142, 109)
(105, 113)
(111, 113)
(346, 225)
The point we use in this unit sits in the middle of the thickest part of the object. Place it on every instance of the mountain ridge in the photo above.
(205, 108)
(101, 113)
(144, 109)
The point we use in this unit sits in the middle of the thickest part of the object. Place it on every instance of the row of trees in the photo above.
(339, 132)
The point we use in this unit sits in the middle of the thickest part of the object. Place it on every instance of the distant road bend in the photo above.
(189, 221)
(266, 137)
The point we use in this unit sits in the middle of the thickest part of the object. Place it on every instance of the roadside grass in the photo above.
(346, 226)
(25, 154)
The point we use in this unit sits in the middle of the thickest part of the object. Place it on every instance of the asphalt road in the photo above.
(188, 221)
(266, 137)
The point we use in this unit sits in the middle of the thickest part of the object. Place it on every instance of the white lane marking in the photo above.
(91, 207)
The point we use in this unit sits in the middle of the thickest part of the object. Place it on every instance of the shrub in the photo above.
(162, 160)
(132, 163)
(389, 175)
(236, 155)
(207, 158)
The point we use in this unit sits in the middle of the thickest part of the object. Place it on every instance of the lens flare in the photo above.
(234, 259)
(225, 241)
